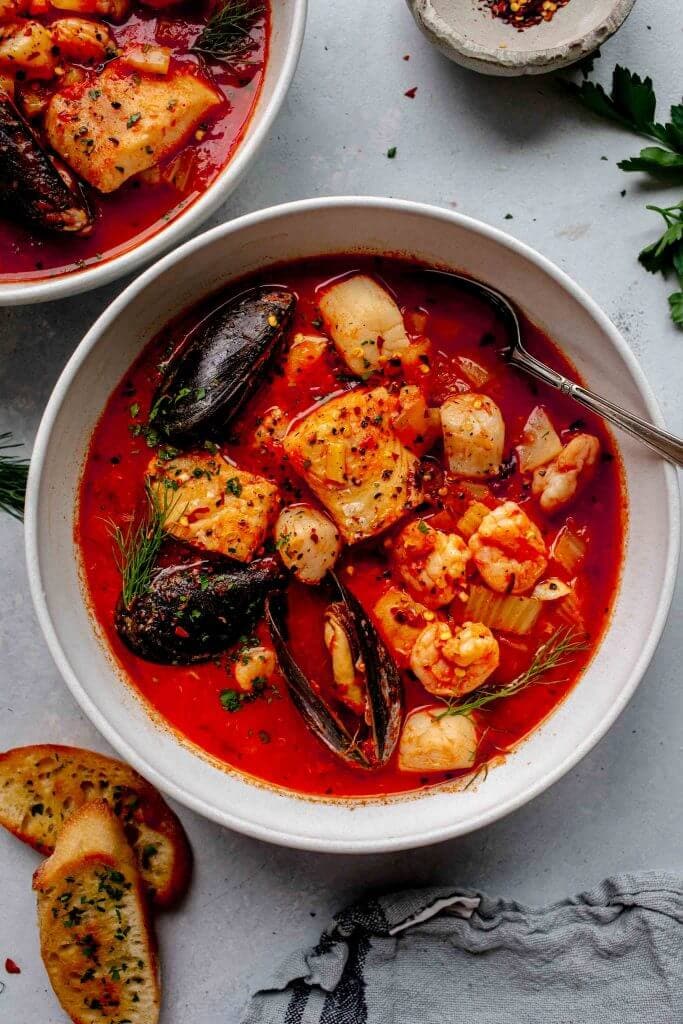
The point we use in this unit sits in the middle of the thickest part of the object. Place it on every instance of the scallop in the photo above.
(434, 741)
(308, 542)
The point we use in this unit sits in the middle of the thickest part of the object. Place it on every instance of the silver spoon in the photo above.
(667, 445)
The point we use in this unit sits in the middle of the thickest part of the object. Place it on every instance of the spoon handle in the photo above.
(667, 445)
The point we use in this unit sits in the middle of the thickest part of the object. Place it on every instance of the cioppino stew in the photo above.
(115, 115)
(337, 542)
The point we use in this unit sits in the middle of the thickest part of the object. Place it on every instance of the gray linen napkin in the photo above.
(436, 956)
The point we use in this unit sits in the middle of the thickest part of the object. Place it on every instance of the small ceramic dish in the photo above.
(288, 22)
(467, 33)
(261, 240)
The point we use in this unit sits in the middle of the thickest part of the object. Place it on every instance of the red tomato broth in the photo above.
(138, 210)
(267, 738)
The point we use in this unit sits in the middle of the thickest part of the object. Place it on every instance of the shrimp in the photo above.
(449, 663)
(473, 434)
(508, 549)
(433, 741)
(401, 620)
(557, 483)
(433, 563)
(254, 665)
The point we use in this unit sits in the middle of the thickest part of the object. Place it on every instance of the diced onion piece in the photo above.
(416, 321)
(474, 489)
(335, 462)
(469, 522)
(154, 60)
(569, 610)
(416, 425)
(568, 550)
(502, 611)
(178, 172)
(475, 373)
(541, 443)
(551, 589)
(72, 76)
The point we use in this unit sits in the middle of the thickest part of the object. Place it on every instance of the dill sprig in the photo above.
(137, 546)
(227, 34)
(13, 476)
(555, 653)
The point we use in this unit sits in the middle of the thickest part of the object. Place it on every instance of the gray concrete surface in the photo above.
(486, 148)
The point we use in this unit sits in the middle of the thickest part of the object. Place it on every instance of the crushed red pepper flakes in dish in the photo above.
(525, 13)
(11, 967)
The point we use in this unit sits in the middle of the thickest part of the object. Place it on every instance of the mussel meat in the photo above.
(219, 368)
(31, 185)
(367, 681)
(192, 612)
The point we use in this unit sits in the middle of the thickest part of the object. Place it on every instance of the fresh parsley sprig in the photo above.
(555, 653)
(13, 477)
(632, 104)
(228, 34)
(667, 254)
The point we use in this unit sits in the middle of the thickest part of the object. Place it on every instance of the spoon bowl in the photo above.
(660, 441)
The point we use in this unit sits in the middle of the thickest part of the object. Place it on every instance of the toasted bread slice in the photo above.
(96, 938)
(41, 786)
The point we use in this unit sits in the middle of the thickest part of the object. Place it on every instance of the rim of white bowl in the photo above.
(257, 128)
(455, 38)
(140, 762)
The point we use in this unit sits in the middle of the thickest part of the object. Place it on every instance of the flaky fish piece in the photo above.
(351, 458)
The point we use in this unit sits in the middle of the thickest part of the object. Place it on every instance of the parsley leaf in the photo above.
(676, 306)
(632, 104)
(666, 254)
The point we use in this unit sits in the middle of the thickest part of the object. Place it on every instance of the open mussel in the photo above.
(32, 186)
(192, 612)
(365, 728)
(219, 368)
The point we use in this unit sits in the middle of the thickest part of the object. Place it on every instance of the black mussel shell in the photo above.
(220, 367)
(382, 678)
(33, 187)
(192, 612)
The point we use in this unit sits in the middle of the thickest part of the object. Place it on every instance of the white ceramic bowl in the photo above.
(311, 228)
(467, 33)
(288, 21)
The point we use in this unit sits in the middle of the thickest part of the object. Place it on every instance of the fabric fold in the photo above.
(440, 955)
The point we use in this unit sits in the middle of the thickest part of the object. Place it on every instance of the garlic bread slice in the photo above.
(41, 786)
(96, 938)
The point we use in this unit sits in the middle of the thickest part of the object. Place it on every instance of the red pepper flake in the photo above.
(179, 631)
(11, 967)
(197, 513)
(525, 13)
(406, 56)
(410, 93)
